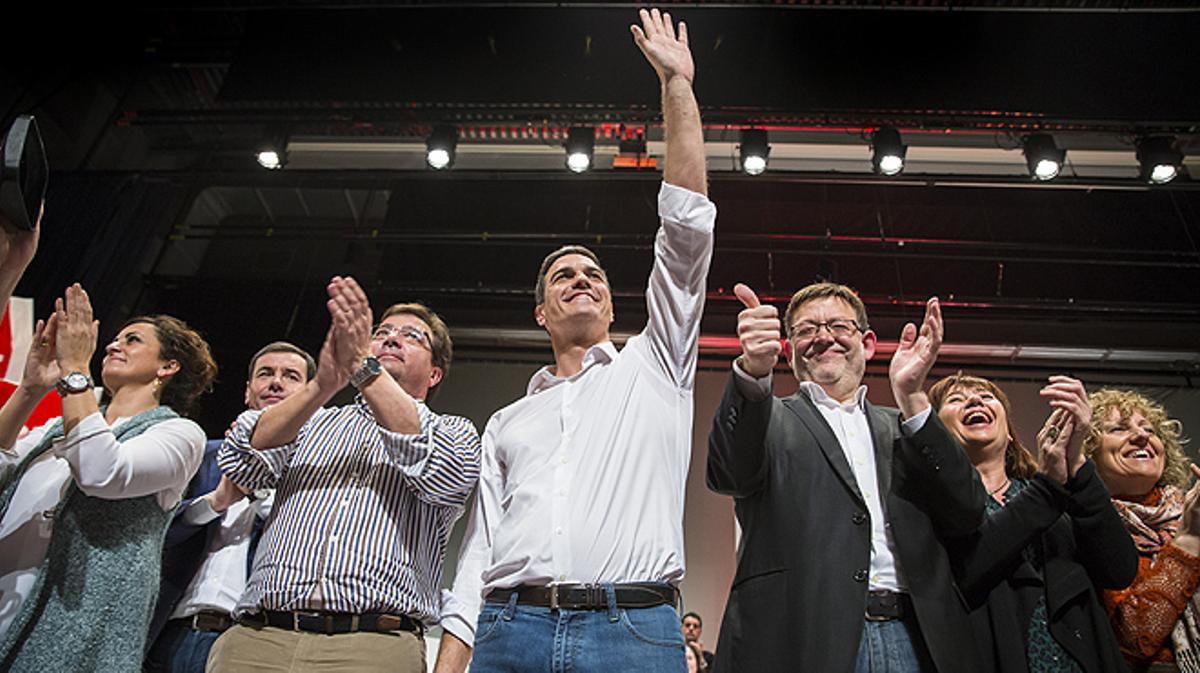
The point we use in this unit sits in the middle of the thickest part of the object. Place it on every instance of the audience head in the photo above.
(692, 626)
(695, 657)
(572, 297)
(164, 352)
(978, 413)
(276, 371)
(830, 338)
(413, 344)
(1136, 446)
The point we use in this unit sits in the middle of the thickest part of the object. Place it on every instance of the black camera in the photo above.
(23, 174)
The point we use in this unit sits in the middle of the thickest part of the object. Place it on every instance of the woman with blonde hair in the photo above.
(85, 499)
(1138, 451)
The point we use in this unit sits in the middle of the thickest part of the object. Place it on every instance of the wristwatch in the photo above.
(368, 370)
(75, 382)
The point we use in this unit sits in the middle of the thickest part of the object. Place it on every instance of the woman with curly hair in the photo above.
(1138, 451)
(1051, 532)
(85, 499)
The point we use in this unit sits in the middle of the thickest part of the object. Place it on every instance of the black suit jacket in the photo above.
(1081, 542)
(798, 597)
(186, 544)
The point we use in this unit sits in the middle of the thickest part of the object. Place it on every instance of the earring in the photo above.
(157, 383)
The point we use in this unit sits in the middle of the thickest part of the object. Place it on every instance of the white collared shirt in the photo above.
(849, 424)
(583, 479)
(221, 578)
(160, 461)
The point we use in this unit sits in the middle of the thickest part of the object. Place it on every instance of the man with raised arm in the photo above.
(842, 503)
(575, 543)
(348, 569)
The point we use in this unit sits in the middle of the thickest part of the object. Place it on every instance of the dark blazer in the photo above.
(186, 544)
(1081, 543)
(799, 595)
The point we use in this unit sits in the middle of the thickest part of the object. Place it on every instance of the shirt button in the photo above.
(558, 531)
(859, 518)
(333, 538)
(860, 575)
(563, 460)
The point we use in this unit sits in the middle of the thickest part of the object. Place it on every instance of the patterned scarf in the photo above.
(1153, 526)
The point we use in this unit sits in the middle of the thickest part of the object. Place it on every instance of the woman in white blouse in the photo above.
(86, 498)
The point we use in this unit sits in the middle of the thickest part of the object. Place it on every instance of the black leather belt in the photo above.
(589, 596)
(207, 620)
(883, 606)
(331, 623)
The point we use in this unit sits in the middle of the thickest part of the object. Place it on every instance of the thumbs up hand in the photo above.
(758, 331)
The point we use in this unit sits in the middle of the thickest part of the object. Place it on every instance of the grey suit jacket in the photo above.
(798, 598)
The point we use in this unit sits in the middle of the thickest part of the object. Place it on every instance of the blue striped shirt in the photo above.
(361, 514)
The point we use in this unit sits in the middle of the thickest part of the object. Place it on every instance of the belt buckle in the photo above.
(554, 597)
(297, 614)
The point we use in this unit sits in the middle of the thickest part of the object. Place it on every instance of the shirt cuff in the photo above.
(685, 207)
(411, 451)
(453, 620)
(911, 426)
(755, 390)
(199, 512)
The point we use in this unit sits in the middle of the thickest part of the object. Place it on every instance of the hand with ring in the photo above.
(1068, 423)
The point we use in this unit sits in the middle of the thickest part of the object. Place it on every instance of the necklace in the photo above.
(1001, 487)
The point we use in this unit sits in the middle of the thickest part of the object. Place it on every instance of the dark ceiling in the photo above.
(151, 116)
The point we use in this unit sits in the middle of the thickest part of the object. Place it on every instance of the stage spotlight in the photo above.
(1043, 157)
(440, 146)
(272, 151)
(887, 152)
(580, 145)
(754, 151)
(270, 159)
(1158, 159)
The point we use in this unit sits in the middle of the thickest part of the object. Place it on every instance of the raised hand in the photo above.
(666, 51)
(41, 367)
(758, 331)
(915, 355)
(76, 331)
(351, 314)
(1068, 395)
(331, 376)
(1052, 441)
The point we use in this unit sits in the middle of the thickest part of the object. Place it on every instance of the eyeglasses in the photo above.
(414, 335)
(839, 328)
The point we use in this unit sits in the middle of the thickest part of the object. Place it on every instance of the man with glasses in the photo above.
(841, 502)
(349, 566)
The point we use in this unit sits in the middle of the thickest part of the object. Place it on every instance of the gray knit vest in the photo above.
(91, 603)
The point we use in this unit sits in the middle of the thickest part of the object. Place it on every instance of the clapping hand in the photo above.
(76, 330)
(41, 366)
(915, 355)
(1063, 434)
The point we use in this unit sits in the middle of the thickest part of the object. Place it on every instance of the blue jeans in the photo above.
(894, 646)
(180, 649)
(513, 638)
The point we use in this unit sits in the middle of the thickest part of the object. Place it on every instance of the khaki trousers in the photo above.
(243, 649)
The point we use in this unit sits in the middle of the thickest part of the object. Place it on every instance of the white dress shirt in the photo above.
(849, 424)
(583, 479)
(160, 461)
(221, 578)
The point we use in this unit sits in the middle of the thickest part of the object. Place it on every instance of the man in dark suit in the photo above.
(211, 542)
(841, 503)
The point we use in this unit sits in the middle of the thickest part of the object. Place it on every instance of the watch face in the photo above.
(77, 381)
